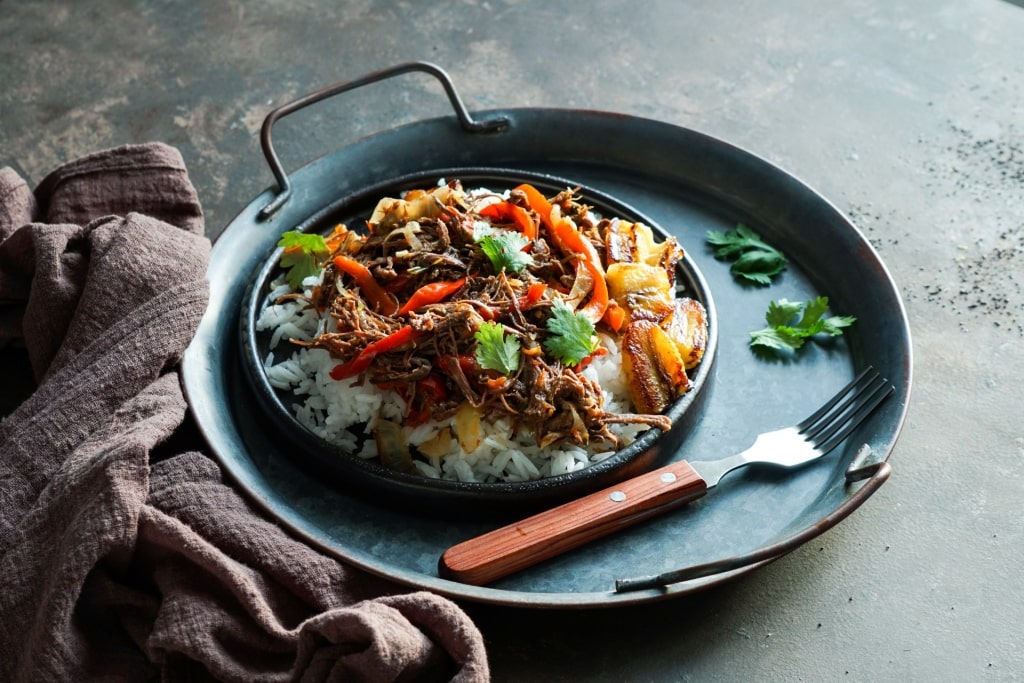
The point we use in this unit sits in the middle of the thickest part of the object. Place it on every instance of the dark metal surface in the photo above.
(686, 182)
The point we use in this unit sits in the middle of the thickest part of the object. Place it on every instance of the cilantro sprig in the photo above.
(753, 259)
(496, 350)
(505, 250)
(303, 256)
(788, 329)
(572, 335)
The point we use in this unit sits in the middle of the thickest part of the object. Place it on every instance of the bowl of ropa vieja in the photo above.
(499, 341)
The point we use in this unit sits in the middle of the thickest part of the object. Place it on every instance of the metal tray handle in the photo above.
(470, 124)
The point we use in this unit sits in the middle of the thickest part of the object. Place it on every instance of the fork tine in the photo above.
(831, 403)
(828, 423)
(832, 425)
(868, 405)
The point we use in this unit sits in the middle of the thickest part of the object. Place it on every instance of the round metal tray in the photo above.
(688, 183)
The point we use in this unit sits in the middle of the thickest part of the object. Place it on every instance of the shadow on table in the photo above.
(653, 641)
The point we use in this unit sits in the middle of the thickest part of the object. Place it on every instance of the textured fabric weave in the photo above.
(123, 553)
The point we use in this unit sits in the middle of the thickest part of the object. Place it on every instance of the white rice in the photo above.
(343, 412)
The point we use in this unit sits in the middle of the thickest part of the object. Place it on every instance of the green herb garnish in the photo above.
(495, 349)
(505, 250)
(786, 332)
(572, 335)
(753, 258)
(303, 255)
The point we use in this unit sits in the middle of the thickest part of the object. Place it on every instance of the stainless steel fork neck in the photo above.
(712, 471)
(781, 447)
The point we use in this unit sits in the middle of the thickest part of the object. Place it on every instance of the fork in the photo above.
(496, 554)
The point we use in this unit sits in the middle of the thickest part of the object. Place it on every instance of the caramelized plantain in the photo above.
(655, 371)
(665, 255)
(642, 290)
(627, 242)
(688, 328)
(620, 242)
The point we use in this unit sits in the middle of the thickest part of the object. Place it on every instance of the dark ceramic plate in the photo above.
(368, 477)
(685, 182)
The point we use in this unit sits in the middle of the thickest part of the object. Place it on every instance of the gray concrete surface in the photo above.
(908, 115)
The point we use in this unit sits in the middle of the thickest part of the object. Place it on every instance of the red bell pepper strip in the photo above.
(340, 235)
(433, 293)
(512, 213)
(533, 295)
(467, 363)
(538, 202)
(374, 293)
(433, 385)
(430, 391)
(571, 239)
(563, 230)
(464, 363)
(614, 316)
(370, 351)
(564, 233)
(601, 351)
(598, 304)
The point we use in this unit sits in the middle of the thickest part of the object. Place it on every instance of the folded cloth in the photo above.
(123, 554)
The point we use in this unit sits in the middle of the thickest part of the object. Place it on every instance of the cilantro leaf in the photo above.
(833, 326)
(785, 332)
(303, 255)
(782, 311)
(753, 258)
(775, 338)
(482, 229)
(572, 335)
(505, 250)
(495, 350)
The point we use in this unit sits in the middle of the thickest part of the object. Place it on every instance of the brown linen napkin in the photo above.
(123, 554)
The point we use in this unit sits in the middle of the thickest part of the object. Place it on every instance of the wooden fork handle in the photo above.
(511, 548)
